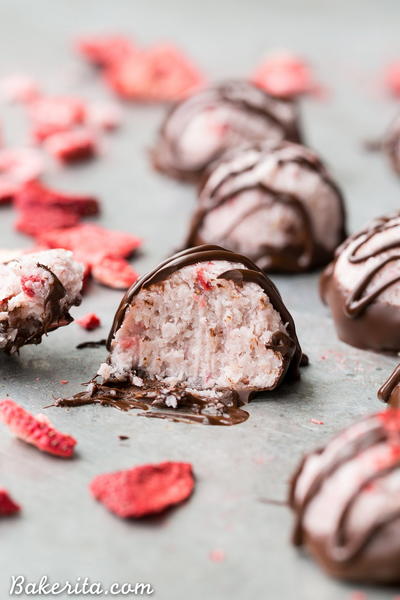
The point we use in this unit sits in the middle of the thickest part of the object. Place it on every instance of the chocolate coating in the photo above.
(346, 501)
(364, 316)
(199, 129)
(289, 347)
(247, 184)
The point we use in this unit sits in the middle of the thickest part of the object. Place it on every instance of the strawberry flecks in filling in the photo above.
(28, 285)
(202, 281)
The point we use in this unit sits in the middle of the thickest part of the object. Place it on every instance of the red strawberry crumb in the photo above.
(91, 243)
(159, 73)
(72, 145)
(64, 381)
(102, 50)
(217, 555)
(284, 74)
(7, 505)
(316, 422)
(144, 490)
(89, 322)
(35, 430)
(113, 272)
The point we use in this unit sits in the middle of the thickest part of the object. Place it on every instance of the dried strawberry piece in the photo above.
(72, 146)
(103, 115)
(89, 322)
(392, 78)
(7, 505)
(19, 88)
(114, 272)
(102, 50)
(17, 165)
(35, 430)
(284, 74)
(91, 243)
(144, 490)
(36, 195)
(53, 114)
(160, 73)
(34, 221)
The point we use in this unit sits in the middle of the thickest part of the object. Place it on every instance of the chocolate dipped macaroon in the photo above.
(346, 501)
(201, 128)
(36, 292)
(274, 202)
(201, 333)
(362, 286)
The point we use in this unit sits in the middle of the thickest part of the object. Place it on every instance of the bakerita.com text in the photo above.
(82, 586)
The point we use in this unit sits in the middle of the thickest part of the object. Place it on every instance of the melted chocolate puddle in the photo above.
(153, 398)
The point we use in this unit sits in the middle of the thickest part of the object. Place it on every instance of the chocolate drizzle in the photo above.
(239, 171)
(378, 326)
(153, 397)
(340, 552)
(389, 392)
(252, 102)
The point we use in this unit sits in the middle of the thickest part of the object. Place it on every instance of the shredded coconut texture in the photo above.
(196, 329)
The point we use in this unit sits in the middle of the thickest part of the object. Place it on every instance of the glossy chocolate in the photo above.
(225, 180)
(252, 102)
(343, 553)
(360, 318)
(389, 392)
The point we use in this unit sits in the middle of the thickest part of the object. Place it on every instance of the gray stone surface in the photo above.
(62, 532)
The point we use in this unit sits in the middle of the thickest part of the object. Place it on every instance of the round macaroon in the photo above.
(362, 286)
(36, 292)
(274, 202)
(199, 129)
(206, 319)
(345, 498)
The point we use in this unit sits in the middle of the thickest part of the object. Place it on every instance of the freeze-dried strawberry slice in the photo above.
(103, 115)
(72, 146)
(115, 273)
(35, 220)
(17, 165)
(144, 490)
(160, 73)
(53, 114)
(35, 195)
(102, 50)
(7, 505)
(91, 243)
(35, 430)
(284, 74)
(19, 88)
(89, 322)
(392, 78)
